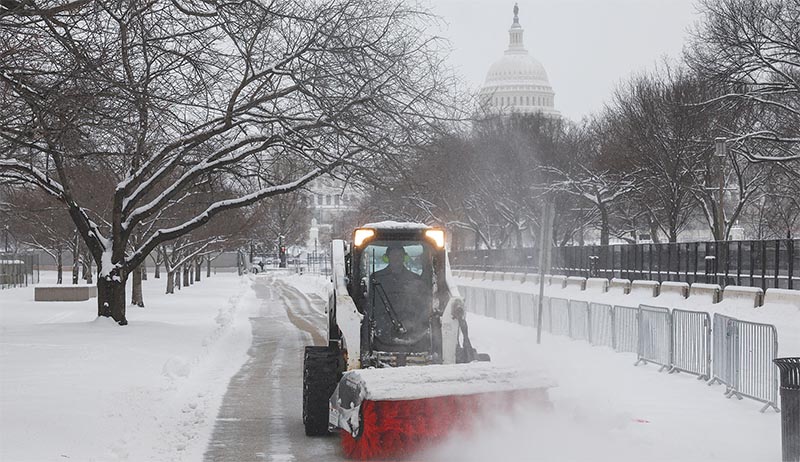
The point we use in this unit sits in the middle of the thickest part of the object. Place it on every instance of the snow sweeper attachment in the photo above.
(399, 371)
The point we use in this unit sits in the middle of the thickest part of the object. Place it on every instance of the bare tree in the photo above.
(171, 97)
(751, 48)
(658, 132)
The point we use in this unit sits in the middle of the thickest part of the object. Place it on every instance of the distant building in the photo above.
(332, 203)
(517, 82)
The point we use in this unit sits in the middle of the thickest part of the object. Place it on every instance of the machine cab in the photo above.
(396, 281)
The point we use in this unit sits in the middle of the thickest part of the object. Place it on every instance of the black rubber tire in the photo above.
(321, 374)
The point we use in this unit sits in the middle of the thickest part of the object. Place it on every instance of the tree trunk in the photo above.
(144, 270)
(111, 299)
(604, 228)
(208, 268)
(136, 292)
(89, 270)
(654, 231)
(60, 265)
(157, 273)
(186, 275)
(76, 259)
(178, 272)
(197, 270)
(170, 282)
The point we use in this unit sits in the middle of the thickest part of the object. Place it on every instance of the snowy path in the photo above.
(260, 414)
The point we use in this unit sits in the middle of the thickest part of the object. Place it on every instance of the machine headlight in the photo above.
(437, 236)
(361, 235)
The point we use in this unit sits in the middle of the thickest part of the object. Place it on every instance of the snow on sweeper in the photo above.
(393, 304)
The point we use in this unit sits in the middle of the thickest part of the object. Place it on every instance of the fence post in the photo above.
(777, 263)
(711, 263)
(738, 263)
(764, 266)
(790, 254)
(614, 327)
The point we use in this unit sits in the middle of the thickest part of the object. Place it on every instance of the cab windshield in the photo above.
(398, 278)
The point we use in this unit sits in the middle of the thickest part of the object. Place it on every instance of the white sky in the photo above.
(586, 46)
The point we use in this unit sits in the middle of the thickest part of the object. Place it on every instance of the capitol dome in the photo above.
(517, 82)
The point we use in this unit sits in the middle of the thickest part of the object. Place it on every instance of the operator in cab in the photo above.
(402, 311)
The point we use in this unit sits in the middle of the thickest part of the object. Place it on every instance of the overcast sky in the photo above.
(586, 46)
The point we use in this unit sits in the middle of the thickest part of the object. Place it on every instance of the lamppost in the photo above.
(721, 149)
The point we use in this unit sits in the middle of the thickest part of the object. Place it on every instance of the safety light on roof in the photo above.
(361, 235)
(437, 236)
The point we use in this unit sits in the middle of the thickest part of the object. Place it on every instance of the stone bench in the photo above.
(642, 287)
(705, 293)
(620, 286)
(753, 296)
(597, 285)
(576, 282)
(678, 288)
(783, 297)
(64, 293)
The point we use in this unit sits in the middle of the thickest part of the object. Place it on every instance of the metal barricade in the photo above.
(515, 314)
(559, 316)
(742, 359)
(655, 336)
(691, 343)
(723, 366)
(531, 310)
(626, 329)
(490, 309)
(579, 320)
(498, 304)
(757, 376)
(465, 294)
(601, 325)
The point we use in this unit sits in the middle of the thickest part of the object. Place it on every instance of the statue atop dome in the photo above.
(516, 13)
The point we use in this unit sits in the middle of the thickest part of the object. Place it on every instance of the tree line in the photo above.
(147, 122)
(647, 165)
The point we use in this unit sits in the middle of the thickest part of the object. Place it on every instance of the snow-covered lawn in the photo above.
(75, 387)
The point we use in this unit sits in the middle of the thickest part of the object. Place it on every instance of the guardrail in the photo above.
(735, 353)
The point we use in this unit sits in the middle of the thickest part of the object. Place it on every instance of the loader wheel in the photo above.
(321, 373)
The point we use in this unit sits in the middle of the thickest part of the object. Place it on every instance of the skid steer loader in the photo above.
(393, 304)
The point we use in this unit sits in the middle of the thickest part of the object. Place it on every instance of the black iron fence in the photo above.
(18, 269)
(758, 263)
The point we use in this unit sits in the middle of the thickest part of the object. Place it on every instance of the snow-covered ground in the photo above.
(605, 409)
(75, 387)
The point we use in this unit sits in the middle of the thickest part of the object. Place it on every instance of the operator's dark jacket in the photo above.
(406, 293)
